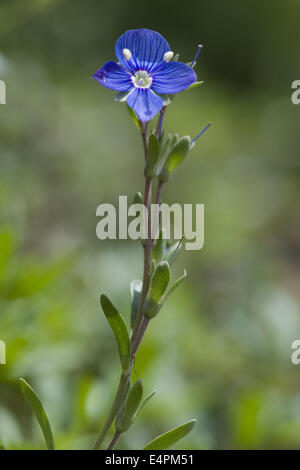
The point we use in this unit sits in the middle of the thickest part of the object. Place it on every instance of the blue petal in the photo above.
(172, 77)
(147, 49)
(113, 76)
(144, 103)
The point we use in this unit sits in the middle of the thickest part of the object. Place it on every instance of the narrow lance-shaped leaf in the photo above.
(133, 117)
(195, 84)
(172, 251)
(176, 283)
(128, 413)
(120, 330)
(164, 441)
(144, 403)
(135, 290)
(39, 412)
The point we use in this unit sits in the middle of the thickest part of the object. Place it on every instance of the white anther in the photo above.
(168, 56)
(126, 54)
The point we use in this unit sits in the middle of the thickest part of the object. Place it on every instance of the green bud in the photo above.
(135, 290)
(175, 157)
(159, 284)
(159, 247)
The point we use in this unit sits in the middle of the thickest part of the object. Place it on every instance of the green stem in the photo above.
(135, 347)
(147, 276)
(141, 322)
(142, 325)
(114, 440)
(113, 411)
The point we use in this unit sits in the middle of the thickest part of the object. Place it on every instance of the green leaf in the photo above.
(153, 266)
(135, 290)
(176, 283)
(128, 413)
(152, 155)
(39, 412)
(123, 399)
(138, 198)
(2, 446)
(164, 441)
(172, 251)
(159, 284)
(144, 403)
(120, 330)
(176, 155)
(134, 118)
(195, 84)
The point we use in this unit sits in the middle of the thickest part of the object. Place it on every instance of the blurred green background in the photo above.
(220, 349)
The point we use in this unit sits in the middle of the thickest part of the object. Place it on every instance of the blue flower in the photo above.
(145, 69)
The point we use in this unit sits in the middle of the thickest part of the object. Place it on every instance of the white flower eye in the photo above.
(168, 56)
(127, 54)
(142, 79)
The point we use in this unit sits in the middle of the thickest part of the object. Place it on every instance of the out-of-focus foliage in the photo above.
(220, 348)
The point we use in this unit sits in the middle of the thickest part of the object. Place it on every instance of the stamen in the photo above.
(127, 54)
(202, 132)
(200, 47)
(168, 56)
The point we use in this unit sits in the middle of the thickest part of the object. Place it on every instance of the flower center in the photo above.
(142, 79)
